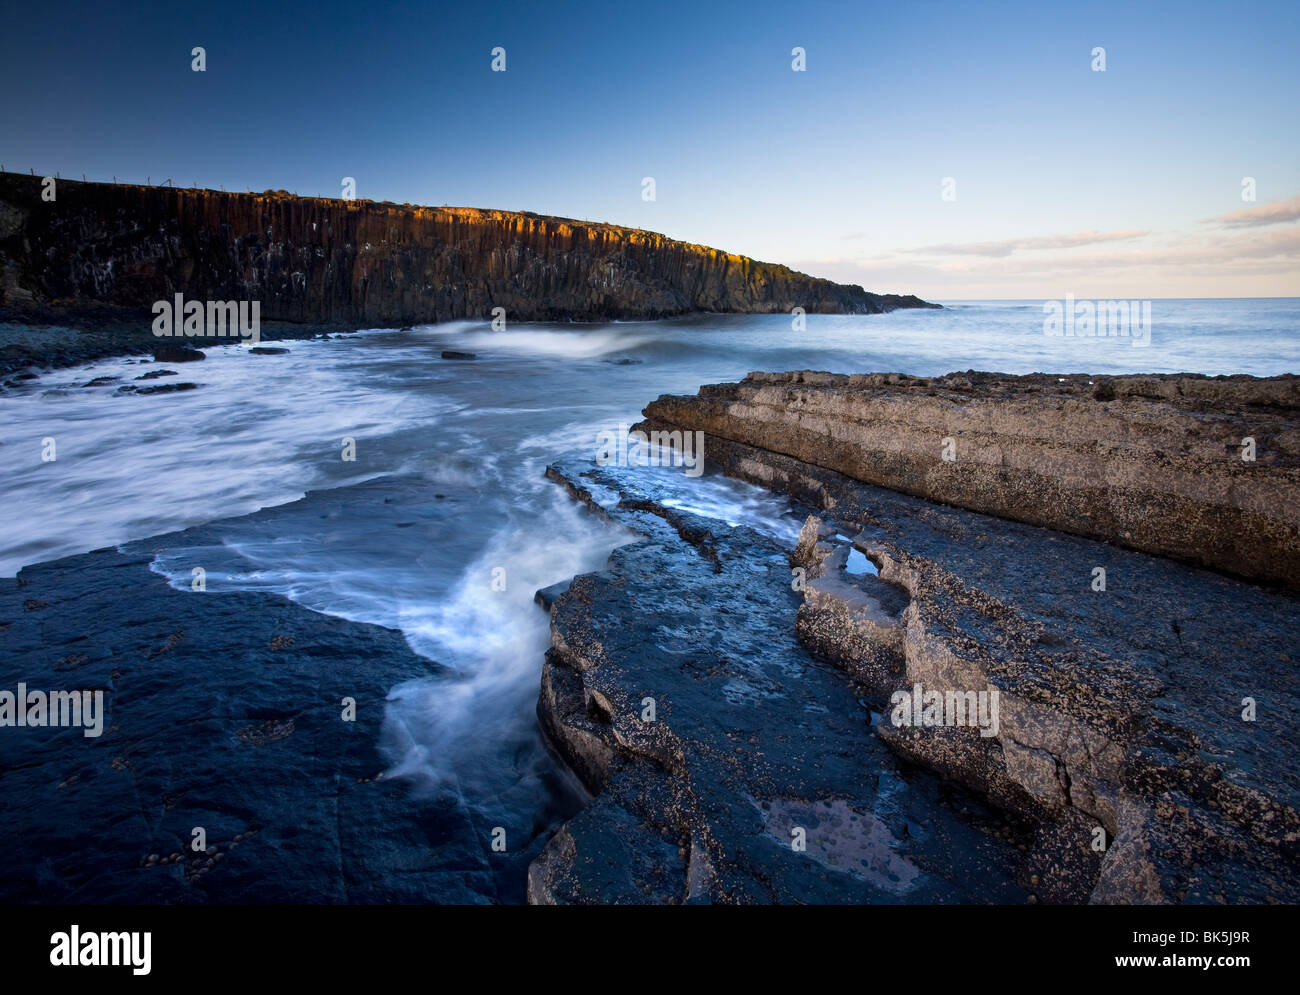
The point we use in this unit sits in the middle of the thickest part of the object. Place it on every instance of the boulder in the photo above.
(177, 353)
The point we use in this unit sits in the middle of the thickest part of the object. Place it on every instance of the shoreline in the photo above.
(1117, 707)
(59, 339)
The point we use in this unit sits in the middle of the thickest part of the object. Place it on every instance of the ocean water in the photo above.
(261, 431)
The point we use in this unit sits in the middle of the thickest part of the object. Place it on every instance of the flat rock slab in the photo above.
(758, 778)
(1206, 469)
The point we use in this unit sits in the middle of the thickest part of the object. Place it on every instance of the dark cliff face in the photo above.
(312, 260)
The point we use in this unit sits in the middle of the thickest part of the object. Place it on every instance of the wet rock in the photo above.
(176, 353)
(162, 388)
(547, 595)
(223, 710)
(453, 354)
(729, 765)
(856, 622)
(267, 350)
(155, 374)
(100, 381)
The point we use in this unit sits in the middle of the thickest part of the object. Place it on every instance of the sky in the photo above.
(955, 151)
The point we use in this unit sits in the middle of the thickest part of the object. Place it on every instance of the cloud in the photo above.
(1010, 245)
(1249, 263)
(1273, 213)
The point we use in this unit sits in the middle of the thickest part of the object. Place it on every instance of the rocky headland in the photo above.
(100, 254)
(1143, 748)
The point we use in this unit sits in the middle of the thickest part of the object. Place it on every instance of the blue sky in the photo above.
(1126, 182)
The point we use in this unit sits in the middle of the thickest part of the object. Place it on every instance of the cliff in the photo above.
(114, 249)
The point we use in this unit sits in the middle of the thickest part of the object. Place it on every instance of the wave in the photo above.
(540, 341)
